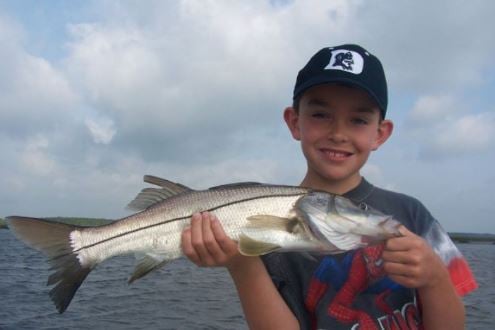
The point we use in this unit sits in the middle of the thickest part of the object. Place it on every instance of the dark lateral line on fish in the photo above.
(175, 219)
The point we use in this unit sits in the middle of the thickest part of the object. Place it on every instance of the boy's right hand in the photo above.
(206, 244)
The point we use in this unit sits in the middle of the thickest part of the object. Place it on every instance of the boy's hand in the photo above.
(206, 244)
(410, 261)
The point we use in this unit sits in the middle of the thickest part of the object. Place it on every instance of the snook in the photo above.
(262, 218)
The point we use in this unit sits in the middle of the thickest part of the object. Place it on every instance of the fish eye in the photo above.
(363, 206)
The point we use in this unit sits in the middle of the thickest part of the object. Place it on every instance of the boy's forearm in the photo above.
(442, 308)
(262, 304)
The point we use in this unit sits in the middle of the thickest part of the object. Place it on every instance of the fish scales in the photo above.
(158, 229)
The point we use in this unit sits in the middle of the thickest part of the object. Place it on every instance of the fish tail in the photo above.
(53, 239)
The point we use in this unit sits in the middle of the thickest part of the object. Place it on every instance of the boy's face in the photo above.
(338, 127)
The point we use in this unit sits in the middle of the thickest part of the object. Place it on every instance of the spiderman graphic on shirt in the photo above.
(359, 272)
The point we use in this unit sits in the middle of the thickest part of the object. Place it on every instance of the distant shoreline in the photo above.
(464, 238)
(85, 222)
(472, 238)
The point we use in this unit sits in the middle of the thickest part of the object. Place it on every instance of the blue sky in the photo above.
(95, 94)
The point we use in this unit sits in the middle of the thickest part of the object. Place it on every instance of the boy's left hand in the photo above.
(410, 261)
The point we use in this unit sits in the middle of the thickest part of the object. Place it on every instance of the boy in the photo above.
(413, 281)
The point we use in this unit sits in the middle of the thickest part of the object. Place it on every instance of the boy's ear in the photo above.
(385, 129)
(291, 118)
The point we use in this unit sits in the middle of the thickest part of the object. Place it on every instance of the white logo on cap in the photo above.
(346, 60)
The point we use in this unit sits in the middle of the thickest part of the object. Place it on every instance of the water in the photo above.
(480, 305)
(179, 296)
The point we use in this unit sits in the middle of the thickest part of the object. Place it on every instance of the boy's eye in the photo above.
(319, 115)
(360, 121)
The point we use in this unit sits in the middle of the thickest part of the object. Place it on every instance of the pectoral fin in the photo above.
(252, 247)
(270, 222)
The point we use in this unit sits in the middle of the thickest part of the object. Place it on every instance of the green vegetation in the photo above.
(86, 222)
(472, 238)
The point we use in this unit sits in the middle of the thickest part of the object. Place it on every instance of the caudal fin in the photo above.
(53, 240)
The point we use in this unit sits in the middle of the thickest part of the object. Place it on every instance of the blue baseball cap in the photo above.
(349, 64)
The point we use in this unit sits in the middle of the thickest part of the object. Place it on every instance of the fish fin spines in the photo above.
(251, 247)
(145, 266)
(53, 240)
(164, 183)
(150, 196)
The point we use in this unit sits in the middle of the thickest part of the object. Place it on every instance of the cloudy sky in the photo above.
(94, 94)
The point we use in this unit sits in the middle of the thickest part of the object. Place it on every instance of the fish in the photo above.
(262, 218)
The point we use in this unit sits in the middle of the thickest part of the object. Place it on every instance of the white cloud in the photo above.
(113, 65)
(102, 129)
(434, 108)
(225, 69)
(34, 95)
(443, 127)
(35, 158)
(447, 46)
(467, 134)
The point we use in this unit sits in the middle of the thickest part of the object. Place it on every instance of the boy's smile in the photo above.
(335, 155)
(338, 127)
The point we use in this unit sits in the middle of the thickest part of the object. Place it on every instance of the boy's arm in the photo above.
(411, 262)
(206, 244)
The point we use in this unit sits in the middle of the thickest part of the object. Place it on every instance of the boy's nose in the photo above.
(336, 132)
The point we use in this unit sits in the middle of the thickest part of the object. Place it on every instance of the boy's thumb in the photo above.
(404, 231)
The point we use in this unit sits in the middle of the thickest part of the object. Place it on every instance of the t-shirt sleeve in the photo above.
(459, 270)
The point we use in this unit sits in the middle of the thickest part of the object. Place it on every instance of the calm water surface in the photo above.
(179, 296)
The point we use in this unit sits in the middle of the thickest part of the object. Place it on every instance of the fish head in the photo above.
(344, 223)
(370, 223)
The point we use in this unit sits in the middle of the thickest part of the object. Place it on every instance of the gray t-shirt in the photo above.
(349, 291)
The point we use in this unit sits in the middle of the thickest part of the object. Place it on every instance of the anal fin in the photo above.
(252, 247)
(146, 265)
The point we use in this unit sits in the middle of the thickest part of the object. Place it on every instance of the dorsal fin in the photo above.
(164, 183)
(150, 196)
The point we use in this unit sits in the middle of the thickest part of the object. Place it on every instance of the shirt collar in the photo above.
(361, 192)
